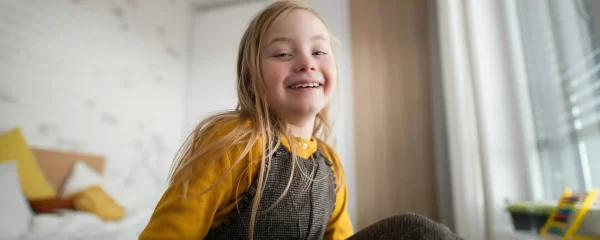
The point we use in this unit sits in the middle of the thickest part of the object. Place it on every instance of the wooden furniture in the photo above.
(57, 165)
(394, 139)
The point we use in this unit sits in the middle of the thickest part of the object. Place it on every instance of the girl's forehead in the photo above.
(295, 25)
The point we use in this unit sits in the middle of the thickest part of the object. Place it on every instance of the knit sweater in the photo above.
(193, 217)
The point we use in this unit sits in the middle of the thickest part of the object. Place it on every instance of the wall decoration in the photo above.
(132, 3)
(124, 26)
(158, 78)
(172, 52)
(90, 104)
(129, 179)
(160, 31)
(128, 79)
(118, 12)
(45, 129)
(112, 172)
(7, 98)
(141, 126)
(109, 119)
(158, 143)
(143, 154)
(69, 144)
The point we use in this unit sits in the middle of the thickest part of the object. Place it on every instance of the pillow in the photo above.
(14, 209)
(95, 200)
(14, 147)
(52, 205)
(117, 188)
(82, 177)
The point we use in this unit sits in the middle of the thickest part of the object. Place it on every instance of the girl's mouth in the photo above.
(305, 85)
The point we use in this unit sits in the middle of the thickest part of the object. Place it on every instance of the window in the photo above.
(562, 54)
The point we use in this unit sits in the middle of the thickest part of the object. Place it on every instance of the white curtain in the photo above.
(491, 144)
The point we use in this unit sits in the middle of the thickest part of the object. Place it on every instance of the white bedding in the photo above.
(138, 198)
(75, 225)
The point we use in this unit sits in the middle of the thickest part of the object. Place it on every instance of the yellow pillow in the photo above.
(95, 200)
(14, 147)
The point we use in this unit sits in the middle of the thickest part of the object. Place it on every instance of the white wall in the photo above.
(215, 38)
(103, 77)
(216, 35)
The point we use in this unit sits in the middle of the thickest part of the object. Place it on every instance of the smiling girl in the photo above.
(263, 170)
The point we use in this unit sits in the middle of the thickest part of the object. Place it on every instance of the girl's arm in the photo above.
(192, 217)
(340, 226)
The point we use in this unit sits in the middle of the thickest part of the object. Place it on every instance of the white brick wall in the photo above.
(105, 77)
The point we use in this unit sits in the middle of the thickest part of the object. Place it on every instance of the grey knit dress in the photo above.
(304, 211)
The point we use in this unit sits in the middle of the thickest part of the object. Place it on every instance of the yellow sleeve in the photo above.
(191, 218)
(339, 226)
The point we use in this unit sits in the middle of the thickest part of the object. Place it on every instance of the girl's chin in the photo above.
(307, 109)
(300, 107)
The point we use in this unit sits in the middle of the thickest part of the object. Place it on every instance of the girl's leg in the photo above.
(408, 226)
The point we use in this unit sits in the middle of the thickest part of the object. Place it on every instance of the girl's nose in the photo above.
(305, 62)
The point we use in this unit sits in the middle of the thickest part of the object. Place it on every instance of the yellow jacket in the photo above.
(192, 218)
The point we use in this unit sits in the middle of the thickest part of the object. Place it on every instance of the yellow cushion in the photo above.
(95, 200)
(14, 147)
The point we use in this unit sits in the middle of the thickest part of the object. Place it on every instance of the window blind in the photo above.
(562, 52)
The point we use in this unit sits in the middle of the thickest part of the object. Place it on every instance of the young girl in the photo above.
(260, 171)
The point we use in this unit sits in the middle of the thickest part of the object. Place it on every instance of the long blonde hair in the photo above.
(252, 106)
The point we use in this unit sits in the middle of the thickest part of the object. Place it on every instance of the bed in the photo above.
(59, 169)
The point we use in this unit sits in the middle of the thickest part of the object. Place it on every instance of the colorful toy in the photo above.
(564, 222)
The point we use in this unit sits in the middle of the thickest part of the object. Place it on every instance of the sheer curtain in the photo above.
(486, 147)
(493, 142)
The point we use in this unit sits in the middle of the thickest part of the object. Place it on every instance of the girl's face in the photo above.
(298, 66)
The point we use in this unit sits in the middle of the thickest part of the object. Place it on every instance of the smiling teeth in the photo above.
(305, 85)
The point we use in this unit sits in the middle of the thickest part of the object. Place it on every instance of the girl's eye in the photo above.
(319, 53)
(283, 55)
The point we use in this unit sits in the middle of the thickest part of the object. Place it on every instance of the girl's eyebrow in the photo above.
(319, 37)
(286, 39)
(278, 39)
